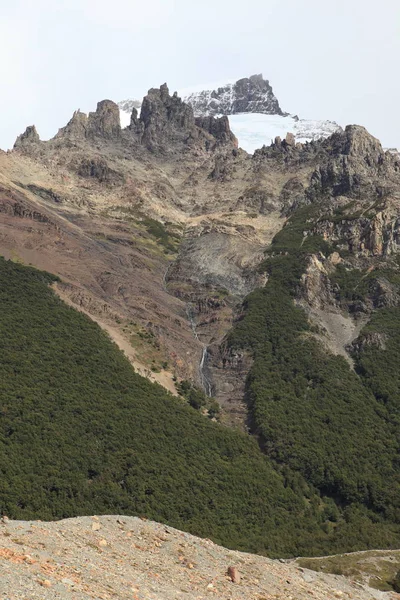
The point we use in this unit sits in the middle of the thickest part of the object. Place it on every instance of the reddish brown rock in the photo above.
(234, 574)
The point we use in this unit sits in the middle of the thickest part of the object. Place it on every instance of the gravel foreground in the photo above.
(127, 558)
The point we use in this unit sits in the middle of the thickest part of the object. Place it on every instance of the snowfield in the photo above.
(255, 130)
(125, 118)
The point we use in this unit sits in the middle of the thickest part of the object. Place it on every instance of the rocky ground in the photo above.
(117, 557)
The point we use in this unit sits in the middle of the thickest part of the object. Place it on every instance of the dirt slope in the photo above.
(128, 558)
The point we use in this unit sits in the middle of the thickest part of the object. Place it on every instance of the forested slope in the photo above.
(313, 413)
(81, 433)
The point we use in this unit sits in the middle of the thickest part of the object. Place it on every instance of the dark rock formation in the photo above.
(384, 293)
(164, 118)
(356, 141)
(76, 128)
(167, 125)
(98, 168)
(248, 95)
(105, 122)
(30, 136)
(44, 193)
(352, 163)
(134, 119)
(217, 127)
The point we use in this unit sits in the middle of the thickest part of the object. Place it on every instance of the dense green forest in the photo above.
(315, 416)
(82, 433)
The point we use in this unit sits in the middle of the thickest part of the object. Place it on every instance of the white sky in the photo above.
(335, 60)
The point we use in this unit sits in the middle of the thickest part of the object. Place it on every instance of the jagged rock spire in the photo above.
(164, 116)
(30, 136)
(105, 122)
(166, 120)
(76, 128)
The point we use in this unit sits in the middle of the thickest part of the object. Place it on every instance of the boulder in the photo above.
(234, 574)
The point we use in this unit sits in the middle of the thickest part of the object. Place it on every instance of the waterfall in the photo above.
(204, 377)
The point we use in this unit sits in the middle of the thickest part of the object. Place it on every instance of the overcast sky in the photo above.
(335, 60)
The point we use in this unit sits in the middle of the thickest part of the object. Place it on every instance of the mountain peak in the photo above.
(30, 136)
(76, 127)
(103, 122)
(166, 120)
(252, 94)
(359, 140)
(255, 115)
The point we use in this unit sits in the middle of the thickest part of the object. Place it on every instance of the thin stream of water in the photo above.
(204, 378)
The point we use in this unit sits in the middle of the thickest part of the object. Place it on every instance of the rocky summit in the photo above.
(252, 94)
(255, 114)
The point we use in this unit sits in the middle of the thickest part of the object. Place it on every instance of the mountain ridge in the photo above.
(254, 113)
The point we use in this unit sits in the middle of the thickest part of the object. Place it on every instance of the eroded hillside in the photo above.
(270, 280)
(143, 224)
(162, 218)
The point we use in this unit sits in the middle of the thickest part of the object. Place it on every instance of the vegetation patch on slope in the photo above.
(313, 415)
(377, 359)
(378, 569)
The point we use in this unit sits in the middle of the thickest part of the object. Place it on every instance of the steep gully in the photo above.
(204, 375)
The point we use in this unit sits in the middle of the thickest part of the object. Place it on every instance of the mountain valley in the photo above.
(257, 298)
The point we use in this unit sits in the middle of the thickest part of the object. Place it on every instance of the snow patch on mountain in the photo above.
(194, 89)
(255, 130)
(125, 110)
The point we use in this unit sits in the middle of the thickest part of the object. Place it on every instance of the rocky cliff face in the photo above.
(167, 217)
(362, 182)
(248, 95)
(30, 136)
(164, 117)
(166, 120)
